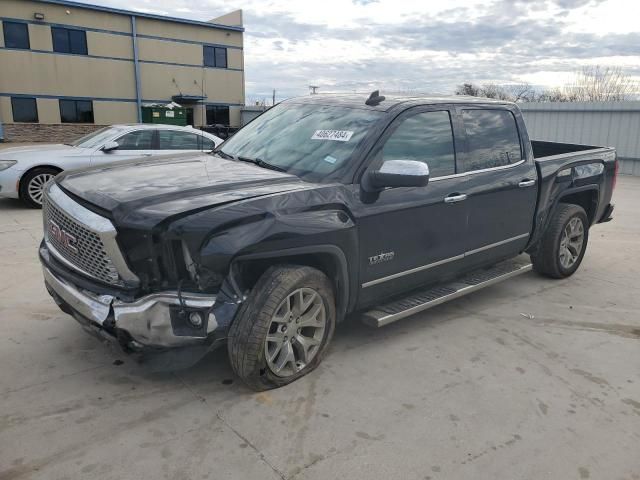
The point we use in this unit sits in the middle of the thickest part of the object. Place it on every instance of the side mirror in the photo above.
(110, 147)
(398, 173)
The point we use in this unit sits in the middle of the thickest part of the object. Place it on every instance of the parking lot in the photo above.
(529, 379)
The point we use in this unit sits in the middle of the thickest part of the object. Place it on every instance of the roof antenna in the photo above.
(374, 99)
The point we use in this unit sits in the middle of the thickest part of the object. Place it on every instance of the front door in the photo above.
(131, 145)
(412, 236)
(501, 185)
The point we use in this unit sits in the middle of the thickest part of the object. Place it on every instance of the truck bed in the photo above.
(542, 149)
(586, 168)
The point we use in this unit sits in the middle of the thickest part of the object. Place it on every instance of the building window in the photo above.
(24, 109)
(16, 35)
(217, 115)
(215, 57)
(67, 40)
(76, 111)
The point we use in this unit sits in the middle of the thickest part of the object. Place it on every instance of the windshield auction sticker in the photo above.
(335, 135)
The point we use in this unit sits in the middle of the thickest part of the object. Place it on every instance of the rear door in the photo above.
(180, 141)
(501, 184)
(412, 236)
(136, 144)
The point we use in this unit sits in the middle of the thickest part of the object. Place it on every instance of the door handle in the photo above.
(455, 197)
(526, 183)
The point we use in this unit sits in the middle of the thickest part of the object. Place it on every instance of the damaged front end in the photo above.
(179, 326)
(176, 321)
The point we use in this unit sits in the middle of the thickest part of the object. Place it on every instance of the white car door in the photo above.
(136, 144)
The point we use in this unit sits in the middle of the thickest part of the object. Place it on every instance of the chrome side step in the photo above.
(423, 299)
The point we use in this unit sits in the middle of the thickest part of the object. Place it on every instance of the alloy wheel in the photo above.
(296, 332)
(36, 186)
(571, 242)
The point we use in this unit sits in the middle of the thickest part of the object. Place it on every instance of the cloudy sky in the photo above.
(414, 46)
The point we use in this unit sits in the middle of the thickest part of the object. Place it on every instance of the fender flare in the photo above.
(552, 209)
(571, 191)
(343, 287)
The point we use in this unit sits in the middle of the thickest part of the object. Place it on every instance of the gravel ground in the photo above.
(471, 389)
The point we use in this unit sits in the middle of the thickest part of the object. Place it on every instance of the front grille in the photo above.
(85, 251)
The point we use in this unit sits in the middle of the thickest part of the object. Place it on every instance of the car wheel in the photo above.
(32, 185)
(283, 329)
(564, 243)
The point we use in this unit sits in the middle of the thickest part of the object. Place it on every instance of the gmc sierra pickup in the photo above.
(322, 207)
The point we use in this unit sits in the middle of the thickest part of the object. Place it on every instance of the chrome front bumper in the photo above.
(148, 321)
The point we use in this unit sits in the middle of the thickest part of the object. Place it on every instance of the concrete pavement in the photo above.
(529, 379)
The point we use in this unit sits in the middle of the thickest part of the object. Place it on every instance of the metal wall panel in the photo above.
(615, 124)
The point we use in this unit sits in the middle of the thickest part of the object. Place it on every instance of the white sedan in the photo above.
(25, 170)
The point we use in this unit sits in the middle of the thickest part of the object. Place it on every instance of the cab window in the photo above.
(425, 137)
(492, 139)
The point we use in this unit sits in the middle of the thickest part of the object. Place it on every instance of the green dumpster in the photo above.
(164, 115)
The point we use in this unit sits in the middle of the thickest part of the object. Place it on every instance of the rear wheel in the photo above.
(283, 329)
(32, 185)
(564, 243)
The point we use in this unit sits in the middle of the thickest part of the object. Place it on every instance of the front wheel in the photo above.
(283, 329)
(564, 243)
(32, 185)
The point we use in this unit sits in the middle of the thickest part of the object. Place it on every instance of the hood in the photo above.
(38, 149)
(139, 191)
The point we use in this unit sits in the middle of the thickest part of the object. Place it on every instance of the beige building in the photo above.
(68, 67)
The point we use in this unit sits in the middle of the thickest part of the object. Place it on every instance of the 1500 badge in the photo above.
(381, 257)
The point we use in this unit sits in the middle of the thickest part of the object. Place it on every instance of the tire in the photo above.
(270, 307)
(551, 257)
(32, 184)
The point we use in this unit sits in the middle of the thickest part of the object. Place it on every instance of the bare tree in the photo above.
(492, 90)
(602, 84)
(591, 84)
(520, 92)
(513, 92)
(468, 89)
(556, 95)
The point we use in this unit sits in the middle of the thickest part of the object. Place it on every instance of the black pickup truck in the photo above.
(321, 208)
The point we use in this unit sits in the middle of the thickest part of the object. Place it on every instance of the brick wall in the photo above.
(49, 133)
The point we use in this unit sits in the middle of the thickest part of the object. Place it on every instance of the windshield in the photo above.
(97, 138)
(311, 141)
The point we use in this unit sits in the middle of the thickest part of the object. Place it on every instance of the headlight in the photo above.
(4, 164)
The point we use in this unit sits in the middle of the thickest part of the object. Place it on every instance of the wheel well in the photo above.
(26, 172)
(249, 271)
(587, 199)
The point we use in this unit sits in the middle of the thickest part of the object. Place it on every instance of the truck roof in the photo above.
(357, 100)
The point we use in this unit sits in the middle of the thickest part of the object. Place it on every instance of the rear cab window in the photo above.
(492, 139)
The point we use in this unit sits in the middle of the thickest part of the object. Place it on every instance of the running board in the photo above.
(423, 299)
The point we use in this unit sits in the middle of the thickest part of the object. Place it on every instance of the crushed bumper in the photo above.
(159, 324)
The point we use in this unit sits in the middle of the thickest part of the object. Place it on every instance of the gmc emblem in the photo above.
(64, 238)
